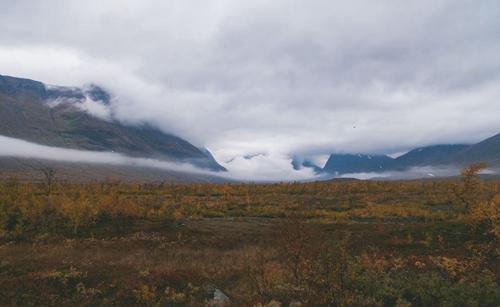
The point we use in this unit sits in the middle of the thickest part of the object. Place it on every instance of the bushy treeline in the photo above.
(28, 209)
(51, 207)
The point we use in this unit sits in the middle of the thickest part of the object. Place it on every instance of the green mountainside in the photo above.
(53, 116)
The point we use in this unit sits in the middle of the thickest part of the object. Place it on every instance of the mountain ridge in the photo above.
(440, 155)
(55, 116)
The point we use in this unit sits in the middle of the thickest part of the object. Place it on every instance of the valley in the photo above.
(82, 119)
(351, 243)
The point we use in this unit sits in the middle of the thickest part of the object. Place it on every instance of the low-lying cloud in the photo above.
(414, 173)
(259, 168)
(269, 167)
(23, 149)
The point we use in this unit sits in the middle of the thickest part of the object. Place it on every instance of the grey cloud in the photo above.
(274, 77)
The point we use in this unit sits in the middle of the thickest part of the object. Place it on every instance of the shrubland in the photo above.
(359, 243)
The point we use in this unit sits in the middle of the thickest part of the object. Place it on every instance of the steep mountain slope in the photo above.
(425, 156)
(487, 151)
(61, 117)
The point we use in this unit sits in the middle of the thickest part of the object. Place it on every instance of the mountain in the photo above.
(487, 151)
(458, 155)
(425, 156)
(80, 118)
(450, 155)
(348, 163)
(299, 163)
(211, 158)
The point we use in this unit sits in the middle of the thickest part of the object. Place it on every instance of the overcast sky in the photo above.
(273, 78)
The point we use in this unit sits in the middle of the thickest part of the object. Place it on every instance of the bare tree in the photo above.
(49, 174)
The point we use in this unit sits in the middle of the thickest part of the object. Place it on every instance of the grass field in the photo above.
(287, 244)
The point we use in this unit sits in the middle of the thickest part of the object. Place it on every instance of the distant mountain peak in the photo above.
(97, 93)
(299, 163)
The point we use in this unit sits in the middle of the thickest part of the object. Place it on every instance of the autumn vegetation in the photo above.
(357, 243)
